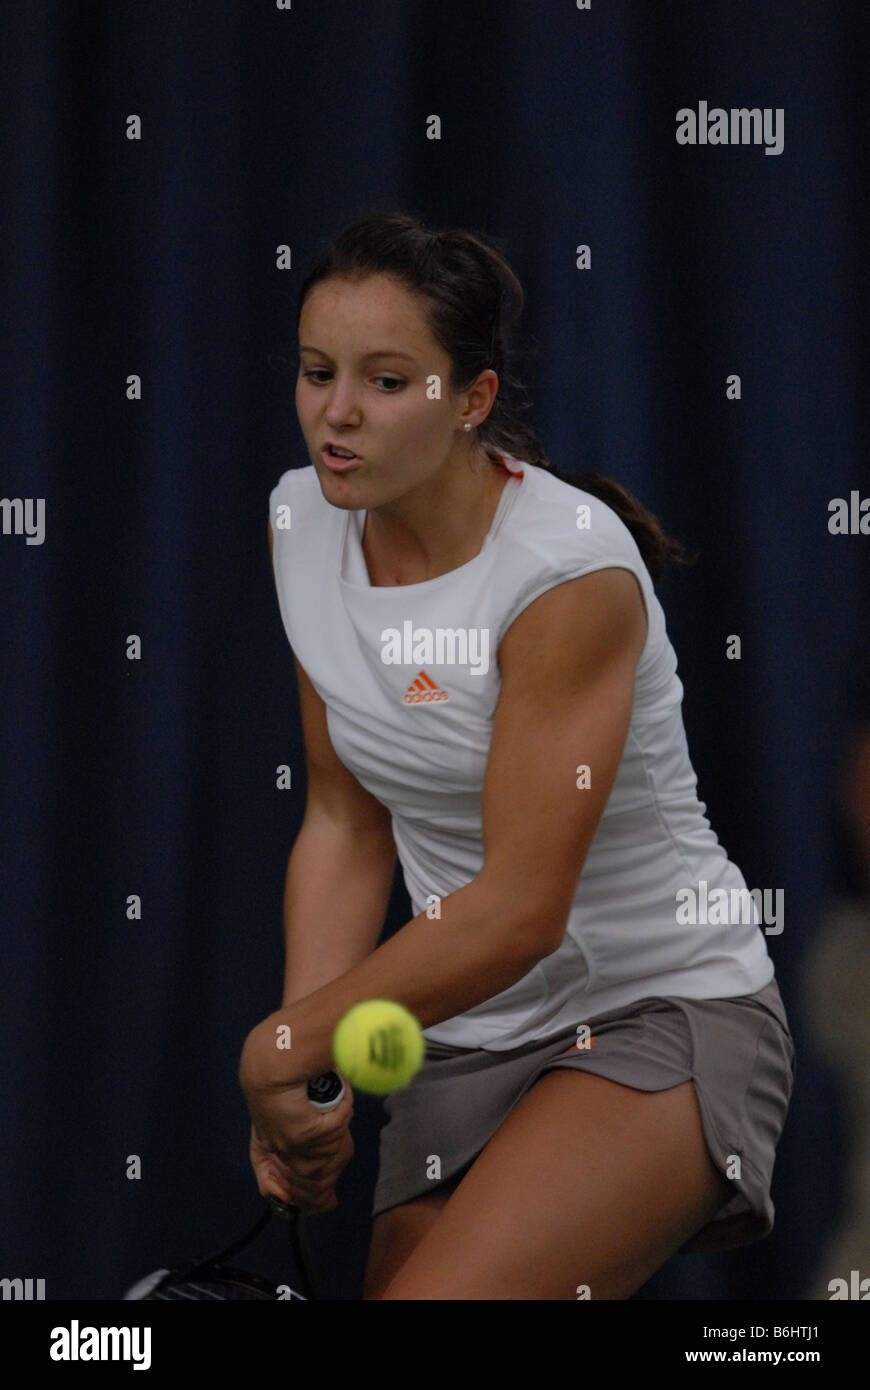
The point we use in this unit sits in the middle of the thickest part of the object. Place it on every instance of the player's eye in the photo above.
(392, 383)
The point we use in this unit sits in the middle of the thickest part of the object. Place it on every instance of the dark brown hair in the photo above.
(463, 283)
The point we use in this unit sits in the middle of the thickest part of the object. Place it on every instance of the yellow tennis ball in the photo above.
(378, 1045)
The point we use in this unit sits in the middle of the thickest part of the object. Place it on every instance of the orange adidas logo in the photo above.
(422, 690)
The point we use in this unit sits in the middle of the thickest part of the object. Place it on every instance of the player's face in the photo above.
(375, 406)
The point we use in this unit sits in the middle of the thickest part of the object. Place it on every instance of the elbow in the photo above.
(533, 930)
(543, 933)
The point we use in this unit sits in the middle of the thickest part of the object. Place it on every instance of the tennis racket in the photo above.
(209, 1277)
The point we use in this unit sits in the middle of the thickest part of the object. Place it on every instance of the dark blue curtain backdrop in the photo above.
(157, 257)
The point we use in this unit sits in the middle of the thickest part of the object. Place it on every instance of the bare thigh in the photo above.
(397, 1232)
(584, 1191)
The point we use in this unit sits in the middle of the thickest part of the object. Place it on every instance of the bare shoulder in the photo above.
(597, 618)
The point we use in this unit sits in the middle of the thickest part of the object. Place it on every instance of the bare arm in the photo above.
(340, 869)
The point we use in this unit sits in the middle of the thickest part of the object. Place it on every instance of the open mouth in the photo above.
(338, 460)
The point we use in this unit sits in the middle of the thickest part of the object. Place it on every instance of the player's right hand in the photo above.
(305, 1176)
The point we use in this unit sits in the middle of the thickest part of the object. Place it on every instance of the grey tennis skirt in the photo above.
(739, 1053)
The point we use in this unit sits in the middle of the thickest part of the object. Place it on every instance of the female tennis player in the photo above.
(487, 689)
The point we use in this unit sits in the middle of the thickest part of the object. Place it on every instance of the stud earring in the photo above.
(467, 426)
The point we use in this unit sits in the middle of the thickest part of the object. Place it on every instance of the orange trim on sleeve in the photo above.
(514, 472)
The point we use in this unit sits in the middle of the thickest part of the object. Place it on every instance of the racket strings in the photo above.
(220, 1286)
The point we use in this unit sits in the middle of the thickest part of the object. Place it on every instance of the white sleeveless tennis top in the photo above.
(410, 679)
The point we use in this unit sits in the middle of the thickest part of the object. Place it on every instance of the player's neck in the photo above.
(422, 539)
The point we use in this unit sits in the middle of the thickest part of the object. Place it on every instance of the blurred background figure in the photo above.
(836, 999)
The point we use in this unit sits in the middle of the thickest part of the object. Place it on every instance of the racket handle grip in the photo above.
(325, 1092)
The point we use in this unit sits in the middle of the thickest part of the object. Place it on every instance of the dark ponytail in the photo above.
(464, 282)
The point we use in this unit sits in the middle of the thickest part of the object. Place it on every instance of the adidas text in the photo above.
(423, 691)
